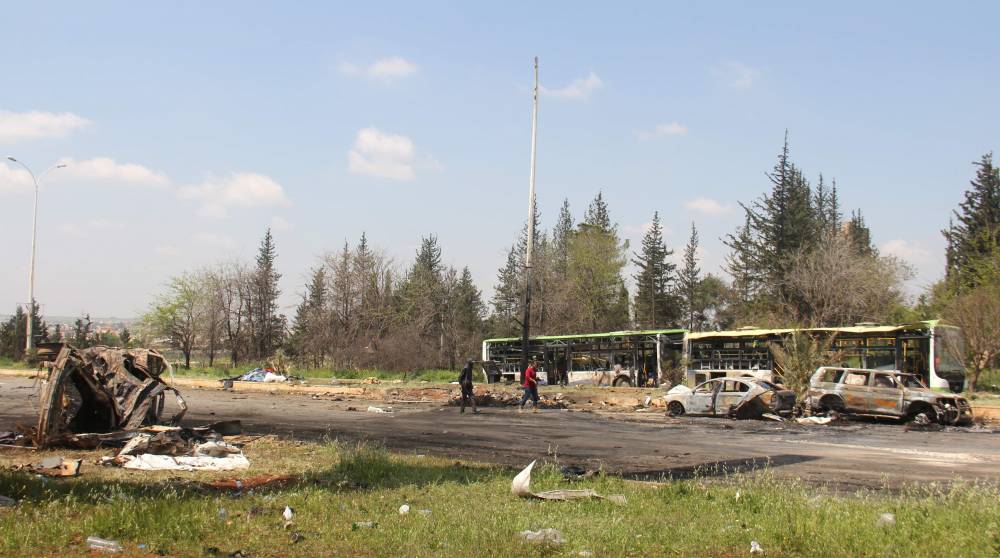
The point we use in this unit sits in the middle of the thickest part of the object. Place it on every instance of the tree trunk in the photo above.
(187, 359)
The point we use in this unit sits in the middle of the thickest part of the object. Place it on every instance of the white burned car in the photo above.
(741, 398)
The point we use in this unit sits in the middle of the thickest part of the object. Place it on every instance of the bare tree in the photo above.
(833, 284)
(977, 312)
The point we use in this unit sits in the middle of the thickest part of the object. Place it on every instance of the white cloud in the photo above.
(662, 130)
(214, 240)
(384, 155)
(243, 189)
(737, 74)
(279, 223)
(107, 170)
(580, 88)
(166, 250)
(387, 69)
(91, 227)
(708, 206)
(18, 126)
(907, 251)
(14, 179)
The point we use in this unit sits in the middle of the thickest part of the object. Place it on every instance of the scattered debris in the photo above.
(521, 487)
(404, 509)
(371, 380)
(815, 420)
(173, 448)
(488, 398)
(772, 416)
(374, 409)
(424, 512)
(886, 520)
(756, 548)
(542, 536)
(103, 545)
(585, 554)
(7, 502)
(250, 482)
(363, 525)
(56, 467)
(100, 390)
(288, 513)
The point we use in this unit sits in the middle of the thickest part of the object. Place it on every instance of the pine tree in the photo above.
(976, 231)
(860, 235)
(506, 299)
(268, 326)
(741, 264)
(689, 278)
(560, 239)
(653, 304)
(597, 215)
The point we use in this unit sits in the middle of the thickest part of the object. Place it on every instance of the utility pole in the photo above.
(526, 324)
(29, 344)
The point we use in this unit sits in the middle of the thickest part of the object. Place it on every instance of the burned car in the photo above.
(883, 393)
(741, 398)
(100, 390)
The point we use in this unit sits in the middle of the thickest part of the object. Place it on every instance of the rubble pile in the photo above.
(489, 398)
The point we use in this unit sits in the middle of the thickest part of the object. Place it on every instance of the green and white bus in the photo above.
(929, 349)
(620, 358)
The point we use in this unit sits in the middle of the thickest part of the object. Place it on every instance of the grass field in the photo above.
(473, 514)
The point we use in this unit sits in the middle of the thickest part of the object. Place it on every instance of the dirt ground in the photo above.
(642, 445)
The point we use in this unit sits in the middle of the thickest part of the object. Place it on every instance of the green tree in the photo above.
(974, 233)
(654, 305)
(176, 315)
(267, 326)
(125, 336)
(81, 332)
(308, 338)
(689, 279)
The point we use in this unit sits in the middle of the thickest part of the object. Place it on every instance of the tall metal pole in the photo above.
(29, 343)
(526, 324)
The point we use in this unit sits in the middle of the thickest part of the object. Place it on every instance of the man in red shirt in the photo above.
(530, 387)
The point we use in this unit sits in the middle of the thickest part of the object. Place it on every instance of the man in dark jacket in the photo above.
(465, 382)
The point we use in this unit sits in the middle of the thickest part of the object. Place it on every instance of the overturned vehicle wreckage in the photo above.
(100, 390)
(739, 398)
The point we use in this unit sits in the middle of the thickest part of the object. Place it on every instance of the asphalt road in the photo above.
(635, 445)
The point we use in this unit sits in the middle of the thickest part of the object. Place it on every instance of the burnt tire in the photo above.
(621, 381)
(915, 411)
(831, 403)
(675, 409)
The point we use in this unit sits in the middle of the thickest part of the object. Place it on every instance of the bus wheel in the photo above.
(956, 387)
(675, 409)
(621, 381)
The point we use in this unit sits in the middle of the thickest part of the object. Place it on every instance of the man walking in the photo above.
(530, 387)
(465, 382)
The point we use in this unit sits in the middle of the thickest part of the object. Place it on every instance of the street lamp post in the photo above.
(29, 344)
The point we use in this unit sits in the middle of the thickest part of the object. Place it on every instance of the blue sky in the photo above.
(192, 126)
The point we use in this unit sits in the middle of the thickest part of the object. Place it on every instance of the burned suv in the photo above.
(886, 393)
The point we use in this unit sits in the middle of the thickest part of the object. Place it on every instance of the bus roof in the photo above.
(783, 331)
(589, 335)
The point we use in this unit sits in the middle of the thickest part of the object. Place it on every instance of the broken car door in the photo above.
(887, 397)
(702, 399)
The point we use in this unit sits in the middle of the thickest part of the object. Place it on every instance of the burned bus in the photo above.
(931, 350)
(619, 358)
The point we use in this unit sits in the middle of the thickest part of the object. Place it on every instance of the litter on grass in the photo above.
(521, 487)
(542, 536)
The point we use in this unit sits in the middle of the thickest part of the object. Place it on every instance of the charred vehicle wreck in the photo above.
(100, 390)
(740, 398)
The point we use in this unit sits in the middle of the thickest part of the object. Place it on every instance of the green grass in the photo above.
(473, 513)
(14, 364)
(326, 374)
